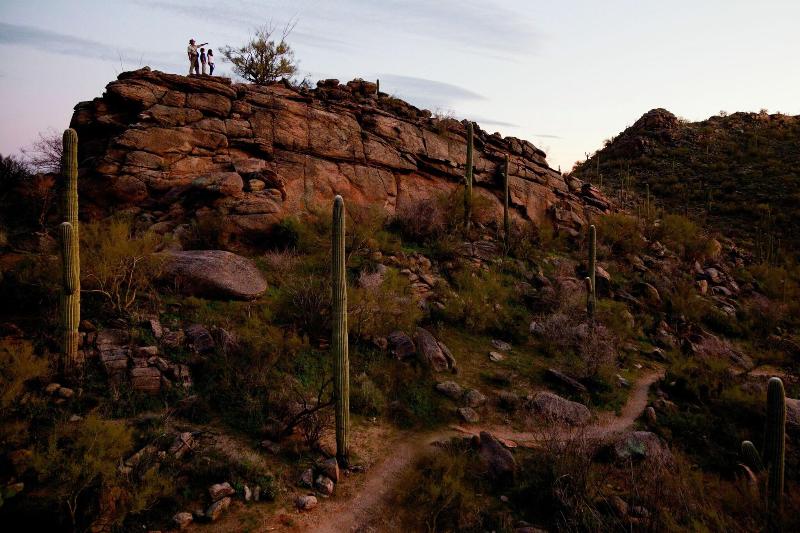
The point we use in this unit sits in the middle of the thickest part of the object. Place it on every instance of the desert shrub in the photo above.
(286, 234)
(681, 234)
(621, 232)
(280, 265)
(366, 398)
(381, 303)
(421, 220)
(18, 364)
(79, 457)
(206, 232)
(305, 302)
(445, 491)
(117, 264)
(411, 396)
(486, 302)
(616, 317)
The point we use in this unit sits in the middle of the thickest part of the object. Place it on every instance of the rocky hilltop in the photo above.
(175, 148)
(736, 173)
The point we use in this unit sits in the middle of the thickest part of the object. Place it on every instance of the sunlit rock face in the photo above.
(180, 148)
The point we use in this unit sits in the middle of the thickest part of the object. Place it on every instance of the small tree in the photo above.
(266, 58)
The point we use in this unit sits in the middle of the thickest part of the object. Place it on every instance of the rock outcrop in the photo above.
(177, 149)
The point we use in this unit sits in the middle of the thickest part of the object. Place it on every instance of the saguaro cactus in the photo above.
(592, 263)
(339, 342)
(774, 452)
(468, 179)
(506, 218)
(70, 299)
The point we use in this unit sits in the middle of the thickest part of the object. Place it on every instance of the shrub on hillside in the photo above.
(684, 236)
(621, 232)
(117, 263)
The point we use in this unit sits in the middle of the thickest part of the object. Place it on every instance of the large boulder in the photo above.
(214, 274)
(554, 408)
(433, 352)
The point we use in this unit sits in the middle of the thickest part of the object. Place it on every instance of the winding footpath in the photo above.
(347, 515)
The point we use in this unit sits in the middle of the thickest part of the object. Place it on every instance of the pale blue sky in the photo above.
(565, 75)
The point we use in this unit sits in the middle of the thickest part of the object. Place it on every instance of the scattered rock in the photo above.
(451, 389)
(501, 345)
(496, 357)
(183, 444)
(324, 485)
(474, 398)
(52, 388)
(248, 494)
(468, 415)
(650, 414)
(306, 502)
(330, 467)
(400, 345)
(147, 380)
(182, 520)
(216, 509)
(199, 338)
(220, 490)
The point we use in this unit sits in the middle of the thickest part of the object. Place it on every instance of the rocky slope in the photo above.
(738, 172)
(179, 148)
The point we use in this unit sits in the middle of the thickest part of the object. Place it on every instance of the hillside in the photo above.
(592, 368)
(739, 172)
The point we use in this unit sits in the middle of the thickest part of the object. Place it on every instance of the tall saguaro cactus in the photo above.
(339, 342)
(774, 450)
(506, 218)
(70, 299)
(468, 178)
(774, 453)
(592, 266)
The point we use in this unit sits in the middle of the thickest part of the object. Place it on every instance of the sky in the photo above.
(565, 75)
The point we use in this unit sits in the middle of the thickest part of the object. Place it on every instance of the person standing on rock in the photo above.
(210, 62)
(203, 61)
(192, 51)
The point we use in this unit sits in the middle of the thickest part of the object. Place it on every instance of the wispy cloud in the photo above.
(545, 136)
(426, 93)
(471, 24)
(60, 43)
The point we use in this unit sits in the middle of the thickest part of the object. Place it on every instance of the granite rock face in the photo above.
(184, 149)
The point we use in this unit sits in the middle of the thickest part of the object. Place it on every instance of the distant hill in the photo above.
(739, 173)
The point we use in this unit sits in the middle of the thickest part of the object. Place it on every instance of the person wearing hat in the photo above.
(193, 55)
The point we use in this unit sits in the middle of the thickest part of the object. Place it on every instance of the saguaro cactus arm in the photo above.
(339, 341)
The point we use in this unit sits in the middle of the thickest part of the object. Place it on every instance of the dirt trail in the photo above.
(347, 515)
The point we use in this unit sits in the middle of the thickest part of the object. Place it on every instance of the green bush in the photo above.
(681, 234)
(366, 398)
(621, 232)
